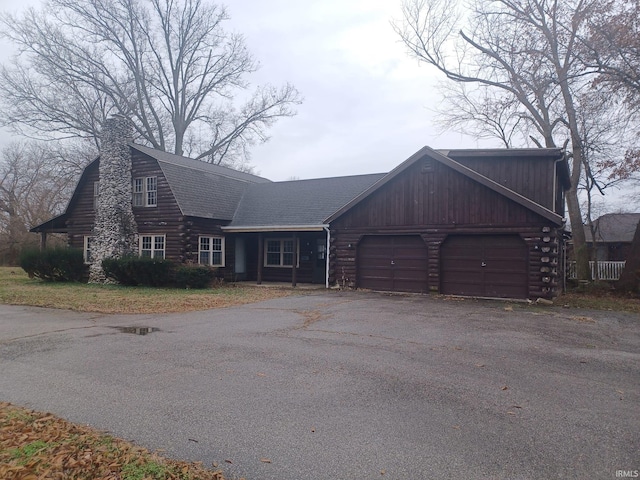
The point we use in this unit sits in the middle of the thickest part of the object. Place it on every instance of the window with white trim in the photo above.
(279, 252)
(152, 246)
(211, 251)
(86, 249)
(145, 192)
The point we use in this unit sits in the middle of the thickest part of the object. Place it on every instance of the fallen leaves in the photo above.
(582, 319)
(36, 445)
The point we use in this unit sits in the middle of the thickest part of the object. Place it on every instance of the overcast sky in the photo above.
(367, 107)
(366, 103)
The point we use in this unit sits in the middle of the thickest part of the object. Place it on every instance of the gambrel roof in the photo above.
(202, 189)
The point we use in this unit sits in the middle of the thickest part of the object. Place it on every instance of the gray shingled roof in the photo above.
(250, 202)
(202, 189)
(299, 202)
(614, 227)
(198, 165)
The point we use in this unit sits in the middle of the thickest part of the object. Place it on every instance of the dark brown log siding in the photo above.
(531, 177)
(440, 196)
(164, 219)
(192, 229)
(81, 211)
(435, 202)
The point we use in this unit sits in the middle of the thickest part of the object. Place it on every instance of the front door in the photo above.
(240, 259)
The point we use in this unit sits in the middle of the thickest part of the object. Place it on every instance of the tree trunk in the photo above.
(630, 276)
(573, 204)
(580, 251)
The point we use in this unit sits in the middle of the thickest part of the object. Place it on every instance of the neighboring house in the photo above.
(466, 222)
(613, 236)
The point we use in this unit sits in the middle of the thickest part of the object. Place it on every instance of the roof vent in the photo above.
(427, 166)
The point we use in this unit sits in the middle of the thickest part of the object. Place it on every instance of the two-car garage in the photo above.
(469, 265)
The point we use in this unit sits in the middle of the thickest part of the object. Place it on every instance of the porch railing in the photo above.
(606, 270)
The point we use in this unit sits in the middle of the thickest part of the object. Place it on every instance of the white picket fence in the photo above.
(606, 270)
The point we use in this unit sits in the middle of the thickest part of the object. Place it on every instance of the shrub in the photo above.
(58, 264)
(145, 271)
(194, 276)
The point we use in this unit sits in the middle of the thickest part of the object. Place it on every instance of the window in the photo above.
(211, 251)
(145, 192)
(96, 194)
(87, 250)
(279, 252)
(152, 246)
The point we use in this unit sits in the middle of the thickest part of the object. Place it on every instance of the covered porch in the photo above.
(291, 254)
(55, 225)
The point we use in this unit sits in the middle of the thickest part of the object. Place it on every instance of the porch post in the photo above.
(43, 240)
(260, 258)
(326, 255)
(294, 268)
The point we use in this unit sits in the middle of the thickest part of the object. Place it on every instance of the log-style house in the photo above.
(483, 223)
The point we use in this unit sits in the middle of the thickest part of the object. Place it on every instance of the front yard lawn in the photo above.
(16, 288)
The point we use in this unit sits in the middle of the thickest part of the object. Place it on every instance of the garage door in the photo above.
(484, 266)
(392, 263)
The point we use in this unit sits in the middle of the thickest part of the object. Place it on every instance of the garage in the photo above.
(392, 263)
(484, 266)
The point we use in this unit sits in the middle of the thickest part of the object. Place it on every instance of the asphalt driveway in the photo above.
(346, 385)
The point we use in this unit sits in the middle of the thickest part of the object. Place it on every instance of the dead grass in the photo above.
(599, 296)
(37, 445)
(600, 301)
(16, 288)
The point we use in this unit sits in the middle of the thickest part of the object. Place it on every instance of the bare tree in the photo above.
(613, 46)
(169, 66)
(483, 113)
(530, 51)
(34, 186)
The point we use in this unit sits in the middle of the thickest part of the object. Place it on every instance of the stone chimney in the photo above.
(114, 229)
